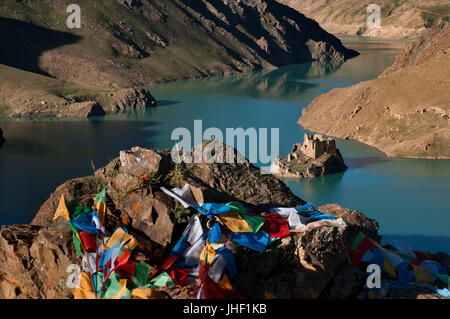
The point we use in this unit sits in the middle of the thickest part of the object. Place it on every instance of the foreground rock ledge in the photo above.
(34, 258)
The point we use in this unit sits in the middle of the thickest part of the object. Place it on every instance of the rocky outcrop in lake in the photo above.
(404, 112)
(315, 157)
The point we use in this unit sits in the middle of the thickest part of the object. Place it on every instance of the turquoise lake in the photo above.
(408, 197)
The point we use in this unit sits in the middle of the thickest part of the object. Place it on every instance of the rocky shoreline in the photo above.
(81, 106)
(34, 258)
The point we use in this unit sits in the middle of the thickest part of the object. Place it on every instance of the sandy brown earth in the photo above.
(399, 19)
(404, 112)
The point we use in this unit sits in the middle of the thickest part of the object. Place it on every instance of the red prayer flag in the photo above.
(88, 241)
(365, 245)
(275, 225)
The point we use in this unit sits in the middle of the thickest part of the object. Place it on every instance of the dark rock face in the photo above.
(2, 139)
(83, 109)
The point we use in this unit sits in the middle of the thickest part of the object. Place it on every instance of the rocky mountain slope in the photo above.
(123, 44)
(399, 19)
(404, 112)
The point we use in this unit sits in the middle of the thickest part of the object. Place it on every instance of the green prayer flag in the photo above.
(162, 280)
(443, 278)
(71, 206)
(255, 222)
(101, 197)
(98, 276)
(357, 241)
(77, 244)
(237, 207)
(112, 287)
(140, 276)
(81, 210)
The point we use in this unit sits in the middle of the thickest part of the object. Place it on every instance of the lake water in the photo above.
(408, 197)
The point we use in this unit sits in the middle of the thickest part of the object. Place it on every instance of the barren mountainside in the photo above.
(128, 43)
(399, 19)
(404, 112)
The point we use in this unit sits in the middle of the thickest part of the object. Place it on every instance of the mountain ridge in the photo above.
(401, 19)
(124, 44)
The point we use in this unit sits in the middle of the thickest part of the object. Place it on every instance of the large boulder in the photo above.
(140, 161)
(237, 177)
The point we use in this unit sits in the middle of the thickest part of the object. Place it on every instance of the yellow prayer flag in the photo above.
(423, 275)
(389, 269)
(148, 293)
(122, 289)
(121, 234)
(235, 222)
(224, 283)
(86, 287)
(62, 211)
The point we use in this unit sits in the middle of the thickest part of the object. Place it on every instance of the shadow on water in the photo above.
(420, 242)
(2, 139)
(26, 42)
(80, 138)
(362, 162)
(321, 184)
(40, 155)
(166, 102)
